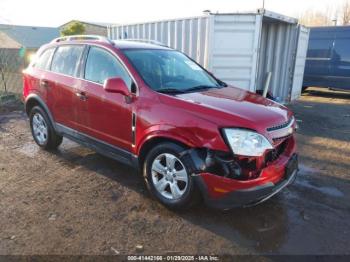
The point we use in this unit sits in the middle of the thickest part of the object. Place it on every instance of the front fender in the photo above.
(192, 137)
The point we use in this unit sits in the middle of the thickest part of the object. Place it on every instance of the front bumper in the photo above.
(225, 193)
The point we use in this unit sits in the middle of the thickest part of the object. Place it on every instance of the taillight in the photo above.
(25, 91)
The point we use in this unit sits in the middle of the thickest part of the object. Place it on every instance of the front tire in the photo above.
(167, 177)
(42, 130)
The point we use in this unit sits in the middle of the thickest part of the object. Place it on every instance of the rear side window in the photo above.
(320, 48)
(342, 51)
(66, 59)
(43, 61)
(101, 65)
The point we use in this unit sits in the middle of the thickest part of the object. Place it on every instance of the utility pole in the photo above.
(263, 4)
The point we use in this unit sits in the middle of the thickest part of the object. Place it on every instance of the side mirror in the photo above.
(116, 85)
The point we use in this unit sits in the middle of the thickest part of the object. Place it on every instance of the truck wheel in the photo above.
(167, 178)
(42, 130)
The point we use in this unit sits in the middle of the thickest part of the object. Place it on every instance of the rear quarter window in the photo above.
(342, 47)
(43, 62)
(320, 48)
(66, 59)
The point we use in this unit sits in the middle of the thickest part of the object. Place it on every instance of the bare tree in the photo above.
(345, 13)
(316, 18)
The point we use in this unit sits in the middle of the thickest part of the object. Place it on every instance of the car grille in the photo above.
(281, 126)
(281, 131)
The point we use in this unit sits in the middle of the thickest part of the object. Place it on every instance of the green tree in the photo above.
(74, 28)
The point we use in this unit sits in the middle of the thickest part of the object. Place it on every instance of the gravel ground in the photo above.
(74, 201)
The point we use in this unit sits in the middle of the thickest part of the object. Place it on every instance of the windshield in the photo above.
(169, 71)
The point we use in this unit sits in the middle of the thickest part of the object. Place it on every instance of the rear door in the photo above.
(38, 77)
(299, 64)
(62, 98)
(104, 116)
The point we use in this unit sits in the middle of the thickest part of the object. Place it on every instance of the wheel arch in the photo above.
(156, 140)
(34, 100)
(194, 195)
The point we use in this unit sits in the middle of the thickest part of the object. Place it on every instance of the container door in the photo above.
(234, 49)
(299, 65)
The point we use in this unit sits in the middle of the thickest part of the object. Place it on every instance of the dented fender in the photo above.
(190, 137)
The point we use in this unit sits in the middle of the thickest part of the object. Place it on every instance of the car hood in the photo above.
(233, 107)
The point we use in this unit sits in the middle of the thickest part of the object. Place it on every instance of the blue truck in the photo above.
(328, 58)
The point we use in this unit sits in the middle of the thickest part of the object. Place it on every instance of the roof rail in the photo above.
(149, 41)
(82, 37)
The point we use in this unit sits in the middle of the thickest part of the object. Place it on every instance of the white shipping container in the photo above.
(239, 48)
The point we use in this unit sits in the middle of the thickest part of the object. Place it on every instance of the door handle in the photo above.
(44, 83)
(82, 96)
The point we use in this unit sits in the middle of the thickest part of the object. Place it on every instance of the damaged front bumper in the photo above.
(225, 193)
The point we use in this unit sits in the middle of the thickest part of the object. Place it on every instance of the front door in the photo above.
(104, 116)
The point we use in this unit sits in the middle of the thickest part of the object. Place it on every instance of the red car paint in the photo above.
(193, 119)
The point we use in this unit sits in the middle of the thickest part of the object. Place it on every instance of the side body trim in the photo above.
(133, 128)
(116, 153)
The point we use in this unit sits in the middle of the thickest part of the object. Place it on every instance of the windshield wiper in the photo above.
(200, 87)
(178, 91)
(170, 91)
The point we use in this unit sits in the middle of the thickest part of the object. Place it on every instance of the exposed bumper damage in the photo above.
(227, 181)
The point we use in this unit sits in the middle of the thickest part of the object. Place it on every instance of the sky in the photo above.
(57, 12)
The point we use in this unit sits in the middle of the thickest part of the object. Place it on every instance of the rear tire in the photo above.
(167, 178)
(42, 129)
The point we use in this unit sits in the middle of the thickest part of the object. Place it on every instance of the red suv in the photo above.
(154, 108)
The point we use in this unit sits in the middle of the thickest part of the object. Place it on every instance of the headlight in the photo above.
(246, 143)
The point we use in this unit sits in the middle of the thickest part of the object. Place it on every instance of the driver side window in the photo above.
(101, 65)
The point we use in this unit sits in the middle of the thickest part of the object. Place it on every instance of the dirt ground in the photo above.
(75, 201)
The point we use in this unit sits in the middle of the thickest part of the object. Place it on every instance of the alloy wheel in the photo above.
(169, 176)
(40, 129)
